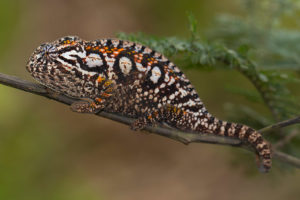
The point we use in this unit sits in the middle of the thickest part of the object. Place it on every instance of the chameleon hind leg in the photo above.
(147, 120)
(87, 105)
(159, 116)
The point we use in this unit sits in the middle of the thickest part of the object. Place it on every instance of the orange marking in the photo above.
(109, 90)
(93, 105)
(99, 100)
(100, 79)
(149, 117)
(106, 94)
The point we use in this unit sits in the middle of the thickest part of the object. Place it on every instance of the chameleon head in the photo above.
(47, 55)
(54, 64)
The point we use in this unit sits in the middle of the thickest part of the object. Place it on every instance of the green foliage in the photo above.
(257, 45)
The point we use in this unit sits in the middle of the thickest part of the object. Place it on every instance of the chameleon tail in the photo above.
(244, 133)
(203, 122)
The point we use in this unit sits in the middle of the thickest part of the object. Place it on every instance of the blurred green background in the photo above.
(49, 152)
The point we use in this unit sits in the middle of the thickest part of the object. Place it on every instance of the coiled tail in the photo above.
(206, 123)
(247, 135)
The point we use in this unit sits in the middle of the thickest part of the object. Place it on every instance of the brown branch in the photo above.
(285, 140)
(183, 137)
(287, 158)
(282, 124)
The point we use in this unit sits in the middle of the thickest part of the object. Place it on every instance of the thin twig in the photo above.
(287, 158)
(282, 124)
(183, 137)
(286, 139)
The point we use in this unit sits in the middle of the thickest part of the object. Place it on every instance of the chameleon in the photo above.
(135, 81)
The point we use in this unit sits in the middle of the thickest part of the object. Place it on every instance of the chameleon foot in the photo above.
(139, 124)
(85, 107)
(142, 122)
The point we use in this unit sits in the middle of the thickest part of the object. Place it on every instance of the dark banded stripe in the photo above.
(237, 130)
(211, 120)
(227, 126)
(219, 125)
(248, 133)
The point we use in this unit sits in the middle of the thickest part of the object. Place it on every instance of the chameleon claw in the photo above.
(138, 124)
(84, 107)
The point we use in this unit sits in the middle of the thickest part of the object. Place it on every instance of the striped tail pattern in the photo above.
(246, 134)
(206, 123)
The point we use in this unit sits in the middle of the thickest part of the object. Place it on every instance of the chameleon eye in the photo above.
(50, 51)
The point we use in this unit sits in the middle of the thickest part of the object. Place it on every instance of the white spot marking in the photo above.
(162, 85)
(167, 78)
(110, 62)
(156, 73)
(172, 80)
(125, 65)
(71, 55)
(138, 47)
(183, 92)
(93, 60)
(191, 103)
(147, 50)
(140, 67)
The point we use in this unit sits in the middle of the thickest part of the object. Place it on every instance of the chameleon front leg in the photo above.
(93, 106)
(87, 106)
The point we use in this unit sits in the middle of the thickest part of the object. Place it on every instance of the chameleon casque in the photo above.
(135, 81)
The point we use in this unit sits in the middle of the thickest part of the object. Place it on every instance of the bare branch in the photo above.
(286, 139)
(287, 158)
(282, 124)
(183, 137)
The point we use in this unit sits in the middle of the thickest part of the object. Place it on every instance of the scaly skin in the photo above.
(135, 81)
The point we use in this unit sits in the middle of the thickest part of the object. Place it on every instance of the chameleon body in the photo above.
(135, 81)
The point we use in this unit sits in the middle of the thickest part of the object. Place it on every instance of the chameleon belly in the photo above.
(135, 81)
